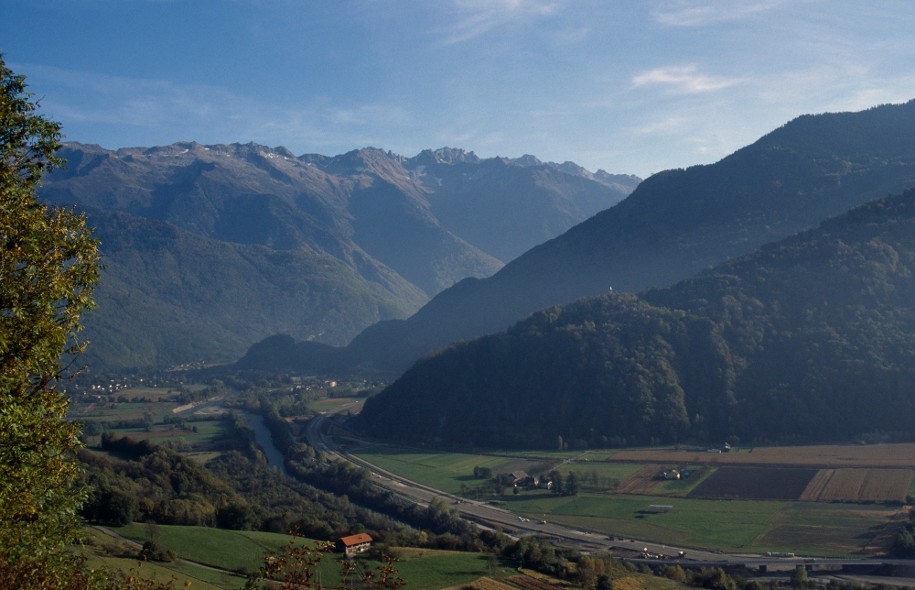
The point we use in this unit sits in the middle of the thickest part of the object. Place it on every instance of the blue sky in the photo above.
(626, 86)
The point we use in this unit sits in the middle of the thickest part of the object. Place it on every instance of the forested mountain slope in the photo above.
(169, 296)
(246, 241)
(673, 225)
(808, 339)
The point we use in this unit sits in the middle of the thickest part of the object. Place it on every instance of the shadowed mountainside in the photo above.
(810, 339)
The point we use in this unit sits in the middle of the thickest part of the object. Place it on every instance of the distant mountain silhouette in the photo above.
(673, 225)
(211, 248)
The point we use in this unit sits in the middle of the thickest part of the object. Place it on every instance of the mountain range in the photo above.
(208, 249)
(809, 339)
(673, 225)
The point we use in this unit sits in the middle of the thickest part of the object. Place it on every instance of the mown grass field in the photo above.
(450, 471)
(600, 476)
(446, 569)
(105, 552)
(150, 414)
(332, 404)
(692, 523)
(443, 471)
(734, 526)
(113, 411)
(738, 524)
(240, 552)
(835, 529)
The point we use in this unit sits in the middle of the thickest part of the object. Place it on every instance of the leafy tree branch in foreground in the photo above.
(49, 264)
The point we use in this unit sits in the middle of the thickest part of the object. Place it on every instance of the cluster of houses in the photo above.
(522, 481)
(675, 474)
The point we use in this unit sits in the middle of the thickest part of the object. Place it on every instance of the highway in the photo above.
(486, 514)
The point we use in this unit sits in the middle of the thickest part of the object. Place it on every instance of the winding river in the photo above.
(264, 440)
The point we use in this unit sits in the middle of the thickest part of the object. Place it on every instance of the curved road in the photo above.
(630, 549)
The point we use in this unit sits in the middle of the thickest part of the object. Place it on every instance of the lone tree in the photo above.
(49, 264)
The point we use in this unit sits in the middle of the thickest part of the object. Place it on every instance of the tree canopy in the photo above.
(809, 339)
(49, 264)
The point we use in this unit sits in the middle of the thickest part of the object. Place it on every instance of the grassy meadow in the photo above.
(104, 551)
(606, 504)
(221, 558)
(442, 471)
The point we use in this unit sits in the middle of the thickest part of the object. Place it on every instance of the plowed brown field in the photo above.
(859, 485)
(757, 483)
(641, 482)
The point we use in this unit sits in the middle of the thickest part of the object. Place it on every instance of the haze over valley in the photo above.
(209, 249)
(245, 246)
(458, 295)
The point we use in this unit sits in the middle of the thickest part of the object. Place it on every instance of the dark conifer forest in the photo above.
(809, 339)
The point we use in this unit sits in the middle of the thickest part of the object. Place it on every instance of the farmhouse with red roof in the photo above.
(353, 544)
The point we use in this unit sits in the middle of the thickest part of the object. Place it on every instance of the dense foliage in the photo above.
(553, 376)
(48, 267)
(904, 543)
(821, 327)
(812, 338)
(139, 481)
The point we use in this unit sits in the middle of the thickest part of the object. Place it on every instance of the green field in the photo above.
(737, 525)
(233, 550)
(827, 529)
(244, 551)
(105, 552)
(444, 569)
(112, 411)
(331, 404)
(599, 477)
(691, 523)
(442, 471)
(840, 529)
(453, 472)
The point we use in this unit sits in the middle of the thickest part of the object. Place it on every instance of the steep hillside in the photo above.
(809, 339)
(248, 194)
(246, 241)
(169, 296)
(673, 225)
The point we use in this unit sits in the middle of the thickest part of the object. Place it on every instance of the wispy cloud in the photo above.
(475, 18)
(699, 13)
(664, 126)
(148, 111)
(685, 79)
(143, 102)
(369, 114)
